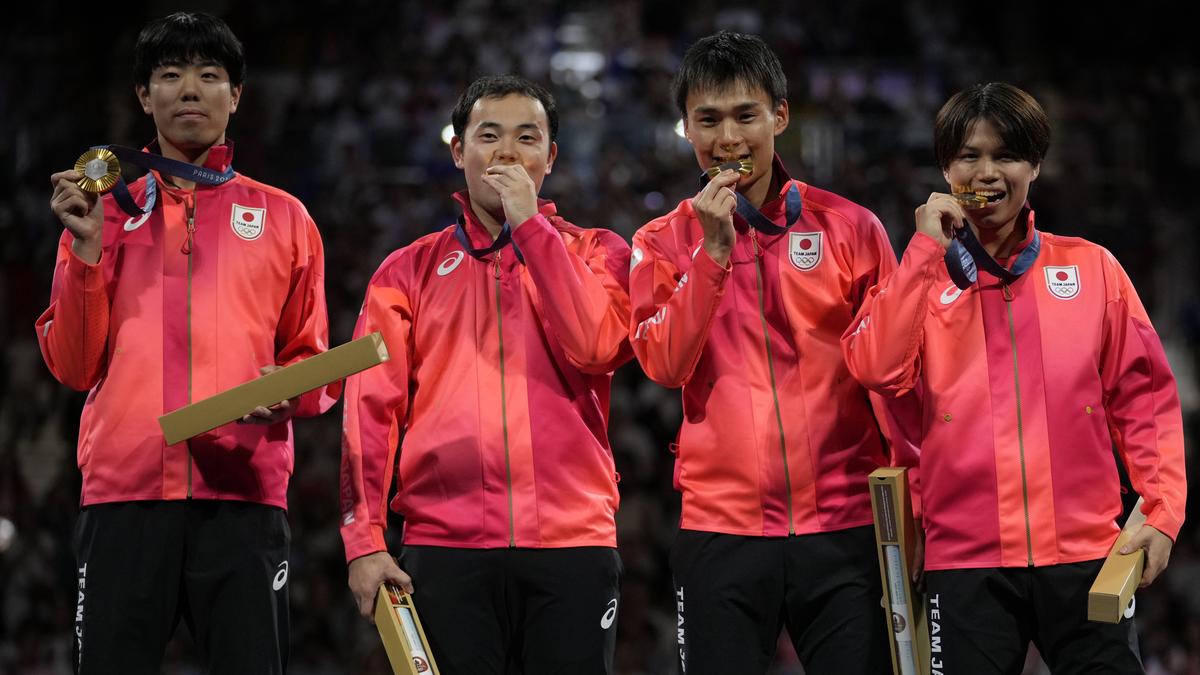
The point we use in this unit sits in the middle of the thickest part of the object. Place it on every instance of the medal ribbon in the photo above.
(792, 207)
(966, 252)
(171, 167)
(505, 238)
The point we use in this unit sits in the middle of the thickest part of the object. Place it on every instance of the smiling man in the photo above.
(213, 284)
(740, 296)
(1030, 374)
(504, 330)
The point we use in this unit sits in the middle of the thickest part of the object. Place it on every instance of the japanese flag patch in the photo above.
(247, 222)
(1063, 282)
(804, 249)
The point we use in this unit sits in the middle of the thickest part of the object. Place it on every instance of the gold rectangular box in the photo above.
(402, 634)
(895, 534)
(281, 385)
(1119, 575)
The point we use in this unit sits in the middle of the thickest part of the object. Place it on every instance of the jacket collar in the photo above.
(475, 229)
(1027, 215)
(775, 206)
(220, 158)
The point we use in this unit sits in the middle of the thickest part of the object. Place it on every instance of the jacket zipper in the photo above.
(762, 313)
(1012, 334)
(512, 528)
(187, 250)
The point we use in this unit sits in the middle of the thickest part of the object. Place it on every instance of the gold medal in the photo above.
(100, 170)
(742, 166)
(970, 199)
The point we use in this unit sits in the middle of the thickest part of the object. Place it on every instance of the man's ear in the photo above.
(781, 117)
(143, 94)
(236, 95)
(456, 151)
(553, 156)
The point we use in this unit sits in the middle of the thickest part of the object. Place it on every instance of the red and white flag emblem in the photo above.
(1063, 282)
(804, 249)
(247, 222)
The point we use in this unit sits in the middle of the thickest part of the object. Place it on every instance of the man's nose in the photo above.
(729, 135)
(189, 86)
(505, 154)
(988, 170)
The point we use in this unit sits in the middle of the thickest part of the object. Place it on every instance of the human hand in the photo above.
(517, 192)
(940, 216)
(271, 414)
(368, 573)
(714, 206)
(1158, 551)
(81, 212)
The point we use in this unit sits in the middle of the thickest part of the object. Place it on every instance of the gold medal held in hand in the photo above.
(100, 170)
(742, 166)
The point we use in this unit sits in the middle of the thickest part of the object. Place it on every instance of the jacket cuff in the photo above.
(1163, 521)
(925, 247)
(82, 274)
(703, 264)
(362, 543)
(526, 234)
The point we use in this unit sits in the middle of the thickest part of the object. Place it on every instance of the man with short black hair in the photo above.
(220, 279)
(503, 330)
(740, 295)
(1033, 358)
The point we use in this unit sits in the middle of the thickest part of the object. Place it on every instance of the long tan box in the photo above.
(895, 535)
(1119, 576)
(402, 634)
(281, 385)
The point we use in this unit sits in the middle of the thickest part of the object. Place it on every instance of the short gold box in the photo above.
(895, 537)
(1119, 576)
(402, 634)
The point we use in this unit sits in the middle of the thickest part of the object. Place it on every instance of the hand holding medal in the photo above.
(963, 251)
(80, 210)
(101, 171)
(748, 212)
(715, 204)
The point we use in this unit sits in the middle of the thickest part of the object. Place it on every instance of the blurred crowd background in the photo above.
(346, 104)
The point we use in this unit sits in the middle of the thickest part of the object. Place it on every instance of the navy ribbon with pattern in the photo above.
(792, 207)
(154, 162)
(503, 240)
(966, 252)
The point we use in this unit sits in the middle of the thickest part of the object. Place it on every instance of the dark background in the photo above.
(344, 107)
